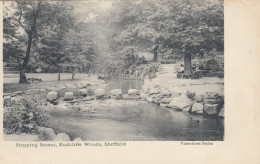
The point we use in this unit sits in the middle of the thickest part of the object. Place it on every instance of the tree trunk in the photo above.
(155, 57)
(74, 73)
(23, 79)
(88, 72)
(59, 76)
(26, 59)
(187, 64)
(29, 43)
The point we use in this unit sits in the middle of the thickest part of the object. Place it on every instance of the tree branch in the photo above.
(35, 15)
(19, 21)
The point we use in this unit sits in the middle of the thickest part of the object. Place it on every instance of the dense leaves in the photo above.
(44, 34)
(168, 29)
(23, 116)
(178, 27)
(109, 41)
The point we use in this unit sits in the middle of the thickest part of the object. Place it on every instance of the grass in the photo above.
(49, 80)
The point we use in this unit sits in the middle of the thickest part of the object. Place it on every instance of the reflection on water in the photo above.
(136, 123)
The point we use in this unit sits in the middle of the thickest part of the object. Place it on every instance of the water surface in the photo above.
(135, 122)
(141, 122)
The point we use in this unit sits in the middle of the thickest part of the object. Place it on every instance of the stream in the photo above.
(136, 122)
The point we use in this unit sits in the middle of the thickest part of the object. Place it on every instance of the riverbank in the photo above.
(48, 80)
(93, 98)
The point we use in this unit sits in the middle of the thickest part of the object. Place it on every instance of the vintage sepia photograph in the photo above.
(141, 70)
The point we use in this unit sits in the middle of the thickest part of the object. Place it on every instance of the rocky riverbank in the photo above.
(89, 96)
(210, 103)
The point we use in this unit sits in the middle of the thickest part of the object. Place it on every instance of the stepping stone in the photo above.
(83, 92)
(52, 96)
(210, 109)
(68, 96)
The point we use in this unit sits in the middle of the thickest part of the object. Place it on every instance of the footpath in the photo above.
(167, 77)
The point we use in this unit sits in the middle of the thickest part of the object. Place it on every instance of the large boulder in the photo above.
(155, 90)
(143, 95)
(175, 94)
(100, 92)
(150, 99)
(84, 92)
(62, 137)
(166, 100)
(197, 108)
(52, 96)
(157, 99)
(153, 95)
(199, 98)
(116, 94)
(211, 101)
(68, 96)
(210, 109)
(187, 109)
(221, 113)
(180, 102)
(133, 92)
(46, 134)
(165, 92)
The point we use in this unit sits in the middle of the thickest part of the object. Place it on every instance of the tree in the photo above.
(198, 25)
(13, 41)
(67, 48)
(181, 27)
(30, 12)
(38, 19)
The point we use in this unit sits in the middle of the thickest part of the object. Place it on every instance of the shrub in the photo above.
(191, 95)
(149, 70)
(23, 116)
(214, 68)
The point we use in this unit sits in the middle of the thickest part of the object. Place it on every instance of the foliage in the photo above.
(111, 40)
(172, 28)
(214, 68)
(12, 43)
(146, 70)
(57, 36)
(23, 116)
(191, 95)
